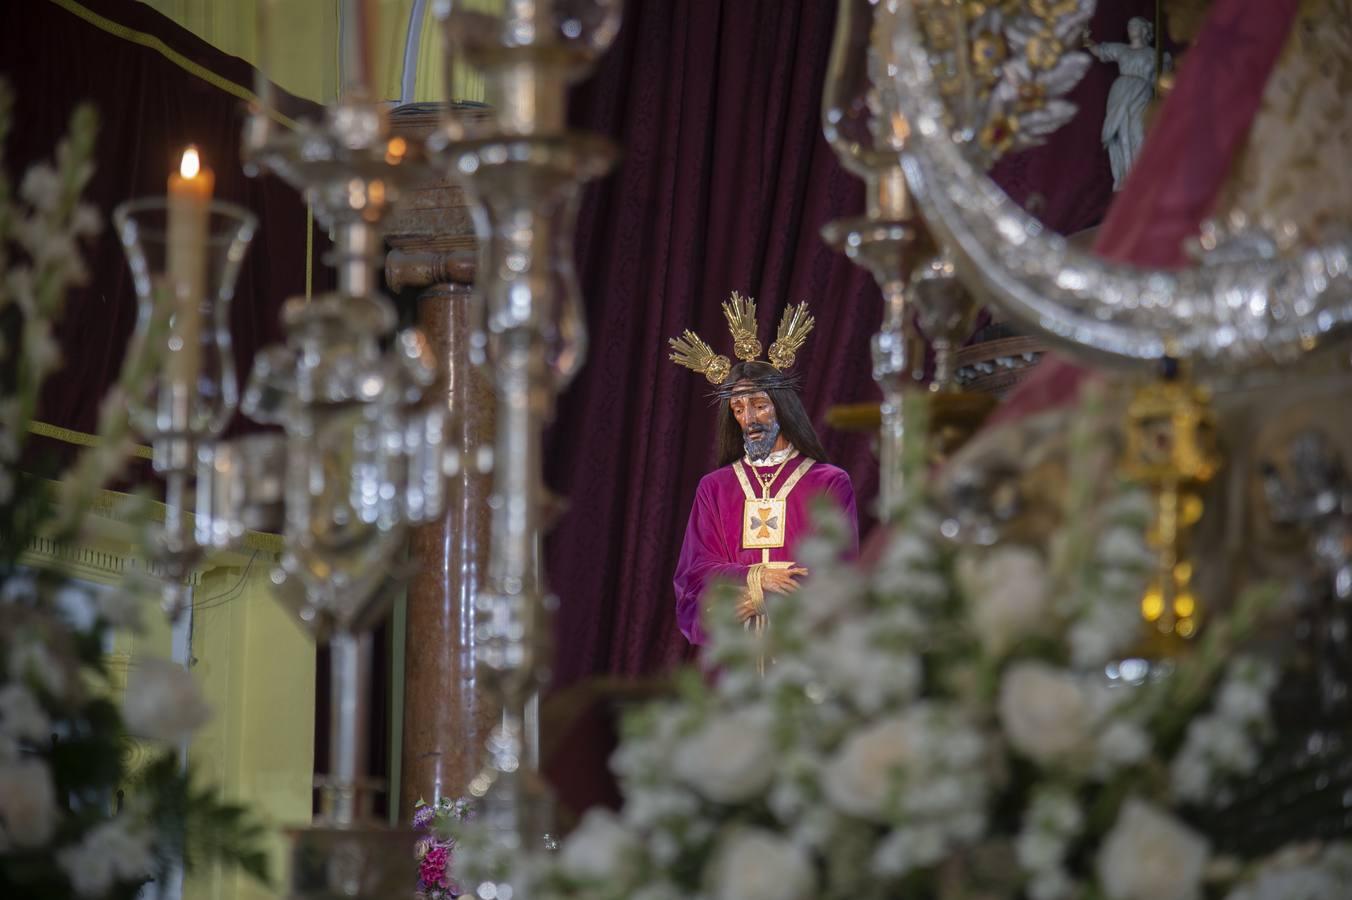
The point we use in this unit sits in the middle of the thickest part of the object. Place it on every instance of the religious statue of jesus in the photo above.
(752, 511)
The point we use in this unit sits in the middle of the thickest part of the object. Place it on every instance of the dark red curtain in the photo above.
(149, 110)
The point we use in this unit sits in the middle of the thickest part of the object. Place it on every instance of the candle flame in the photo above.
(191, 164)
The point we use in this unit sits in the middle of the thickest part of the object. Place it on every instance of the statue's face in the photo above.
(1136, 32)
(755, 414)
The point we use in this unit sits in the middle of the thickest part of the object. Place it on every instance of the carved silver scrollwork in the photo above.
(1229, 317)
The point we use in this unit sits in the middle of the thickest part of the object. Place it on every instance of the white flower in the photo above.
(600, 849)
(30, 659)
(9, 444)
(905, 570)
(1044, 711)
(86, 221)
(1213, 745)
(1300, 873)
(1052, 820)
(850, 662)
(21, 716)
(1150, 855)
(1122, 744)
(1007, 590)
(42, 352)
(1306, 883)
(830, 595)
(659, 890)
(757, 865)
(28, 811)
(1243, 697)
(1039, 851)
(163, 702)
(814, 828)
(920, 769)
(816, 553)
(1105, 630)
(731, 758)
(863, 777)
(1242, 700)
(11, 415)
(646, 807)
(41, 187)
(892, 857)
(112, 852)
(664, 848)
(1125, 547)
(121, 608)
(1051, 884)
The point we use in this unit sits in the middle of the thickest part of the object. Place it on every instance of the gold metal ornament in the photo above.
(692, 352)
(794, 327)
(1171, 449)
(741, 315)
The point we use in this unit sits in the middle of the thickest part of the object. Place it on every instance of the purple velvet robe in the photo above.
(712, 548)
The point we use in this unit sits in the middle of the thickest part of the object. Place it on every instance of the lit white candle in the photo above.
(190, 190)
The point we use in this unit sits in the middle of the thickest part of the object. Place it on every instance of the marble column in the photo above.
(446, 717)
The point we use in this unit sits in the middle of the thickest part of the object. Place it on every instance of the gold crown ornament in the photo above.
(691, 351)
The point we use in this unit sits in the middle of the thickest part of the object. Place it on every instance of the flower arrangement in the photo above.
(436, 847)
(952, 722)
(74, 821)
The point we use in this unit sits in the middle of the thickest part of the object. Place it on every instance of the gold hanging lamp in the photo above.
(1172, 450)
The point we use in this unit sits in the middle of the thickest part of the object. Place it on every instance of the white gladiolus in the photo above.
(1122, 744)
(757, 865)
(1150, 855)
(41, 186)
(1045, 712)
(1104, 631)
(163, 702)
(30, 659)
(121, 608)
(831, 596)
(1052, 884)
(1007, 590)
(600, 849)
(1307, 873)
(850, 662)
(731, 758)
(28, 811)
(112, 852)
(21, 716)
(1124, 547)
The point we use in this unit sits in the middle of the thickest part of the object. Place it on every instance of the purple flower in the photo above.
(423, 815)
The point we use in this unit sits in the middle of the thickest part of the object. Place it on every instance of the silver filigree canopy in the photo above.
(1228, 317)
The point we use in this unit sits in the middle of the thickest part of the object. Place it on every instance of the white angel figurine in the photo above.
(1124, 122)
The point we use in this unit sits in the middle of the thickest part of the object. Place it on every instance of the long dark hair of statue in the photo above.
(794, 423)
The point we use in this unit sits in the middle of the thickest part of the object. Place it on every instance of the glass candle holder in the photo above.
(184, 319)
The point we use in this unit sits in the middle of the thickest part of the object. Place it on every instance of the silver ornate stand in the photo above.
(523, 171)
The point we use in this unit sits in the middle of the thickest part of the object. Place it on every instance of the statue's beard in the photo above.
(759, 440)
